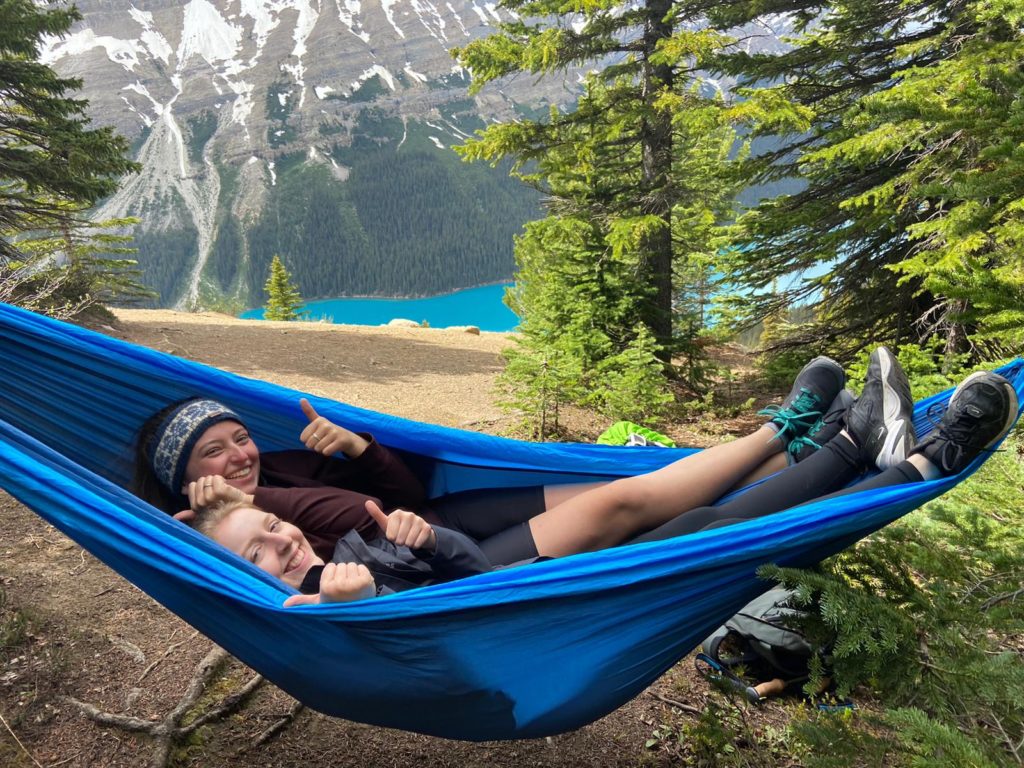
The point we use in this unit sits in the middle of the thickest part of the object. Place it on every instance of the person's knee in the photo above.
(629, 503)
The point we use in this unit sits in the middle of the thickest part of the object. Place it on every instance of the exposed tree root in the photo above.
(168, 731)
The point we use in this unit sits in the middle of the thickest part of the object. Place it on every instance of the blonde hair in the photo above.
(207, 520)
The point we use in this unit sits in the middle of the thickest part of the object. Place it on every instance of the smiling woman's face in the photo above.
(225, 449)
(277, 547)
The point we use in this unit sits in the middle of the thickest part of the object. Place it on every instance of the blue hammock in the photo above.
(518, 653)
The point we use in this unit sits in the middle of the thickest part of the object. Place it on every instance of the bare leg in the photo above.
(559, 494)
(776, 463)
(612, 513)
(927, 469)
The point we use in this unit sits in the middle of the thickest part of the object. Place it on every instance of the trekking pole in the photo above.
(724, 676)
(777, 685)
(770, 688)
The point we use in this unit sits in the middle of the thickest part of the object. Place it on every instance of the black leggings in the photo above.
(824, 474)
(497, 518)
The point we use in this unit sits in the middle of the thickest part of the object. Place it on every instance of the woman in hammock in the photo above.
(199, 453)
(409, 552)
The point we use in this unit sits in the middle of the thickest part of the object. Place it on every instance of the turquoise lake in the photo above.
(482, 307)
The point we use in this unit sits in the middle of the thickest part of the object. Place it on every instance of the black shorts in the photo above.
(496, 518)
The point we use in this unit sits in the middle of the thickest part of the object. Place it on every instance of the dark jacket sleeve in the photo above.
(455, 556)
(400, 568)
(326, 496)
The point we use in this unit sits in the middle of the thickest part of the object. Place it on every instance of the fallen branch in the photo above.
(227, 706)
(170, 649)
(994, 601)
(678, 704)
(277, 727)
(18, 741)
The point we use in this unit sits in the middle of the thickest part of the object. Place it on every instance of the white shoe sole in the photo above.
(894, 449)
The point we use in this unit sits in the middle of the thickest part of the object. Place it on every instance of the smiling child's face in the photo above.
(277, 547)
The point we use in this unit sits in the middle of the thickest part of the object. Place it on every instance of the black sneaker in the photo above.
(881, 422)
(980, 413)
(823, 430)
(815, 387)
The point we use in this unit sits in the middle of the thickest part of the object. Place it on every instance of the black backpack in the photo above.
(764, 638)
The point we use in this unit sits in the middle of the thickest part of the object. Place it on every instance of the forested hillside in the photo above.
(404, 217)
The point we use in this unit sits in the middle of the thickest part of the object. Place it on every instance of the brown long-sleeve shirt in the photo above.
(325, 496)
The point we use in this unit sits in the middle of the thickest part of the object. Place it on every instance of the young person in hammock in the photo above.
(199, 453)
(409, 552)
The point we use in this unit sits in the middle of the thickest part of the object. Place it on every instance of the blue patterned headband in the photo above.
(177, 435)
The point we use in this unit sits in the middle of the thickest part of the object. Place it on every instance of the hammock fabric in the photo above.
(518, 653)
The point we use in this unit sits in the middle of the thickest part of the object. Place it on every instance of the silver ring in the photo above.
(316, 436)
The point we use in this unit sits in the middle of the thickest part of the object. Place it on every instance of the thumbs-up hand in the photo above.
(339, 583)
(404, 528)
(326, 437)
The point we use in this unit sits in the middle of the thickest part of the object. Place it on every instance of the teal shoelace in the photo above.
(803, 411)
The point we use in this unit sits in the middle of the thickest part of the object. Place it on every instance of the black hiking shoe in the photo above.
(881, 422)
(824, 429)
(815, 387)
(979, 414)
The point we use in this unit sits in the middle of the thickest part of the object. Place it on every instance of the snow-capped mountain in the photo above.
(217, 95)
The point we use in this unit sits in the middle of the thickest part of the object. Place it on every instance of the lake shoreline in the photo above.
(481, 307)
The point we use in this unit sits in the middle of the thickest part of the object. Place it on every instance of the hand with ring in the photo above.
(213, 489)
(326, 437)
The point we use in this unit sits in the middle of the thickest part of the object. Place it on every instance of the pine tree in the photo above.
(283, 299)
(903, 122)
(66, 272)
(627, 173)
(52, 164)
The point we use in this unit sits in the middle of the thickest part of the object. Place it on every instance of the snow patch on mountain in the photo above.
(431, 19)
(388, 6)
(483, 16)
(164, 156)
(123, 52)
(418, 76)
(155, 42)
(376, 69)
(140, 89)
(242, 107)
(208, 35)
(458, 19)
(492, 8)
(303, 28)
(348, 14)
(264, 21)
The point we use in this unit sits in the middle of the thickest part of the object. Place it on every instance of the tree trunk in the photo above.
(656, 147)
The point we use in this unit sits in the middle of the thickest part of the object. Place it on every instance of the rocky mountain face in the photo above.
(319, 130)
(263, 125)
